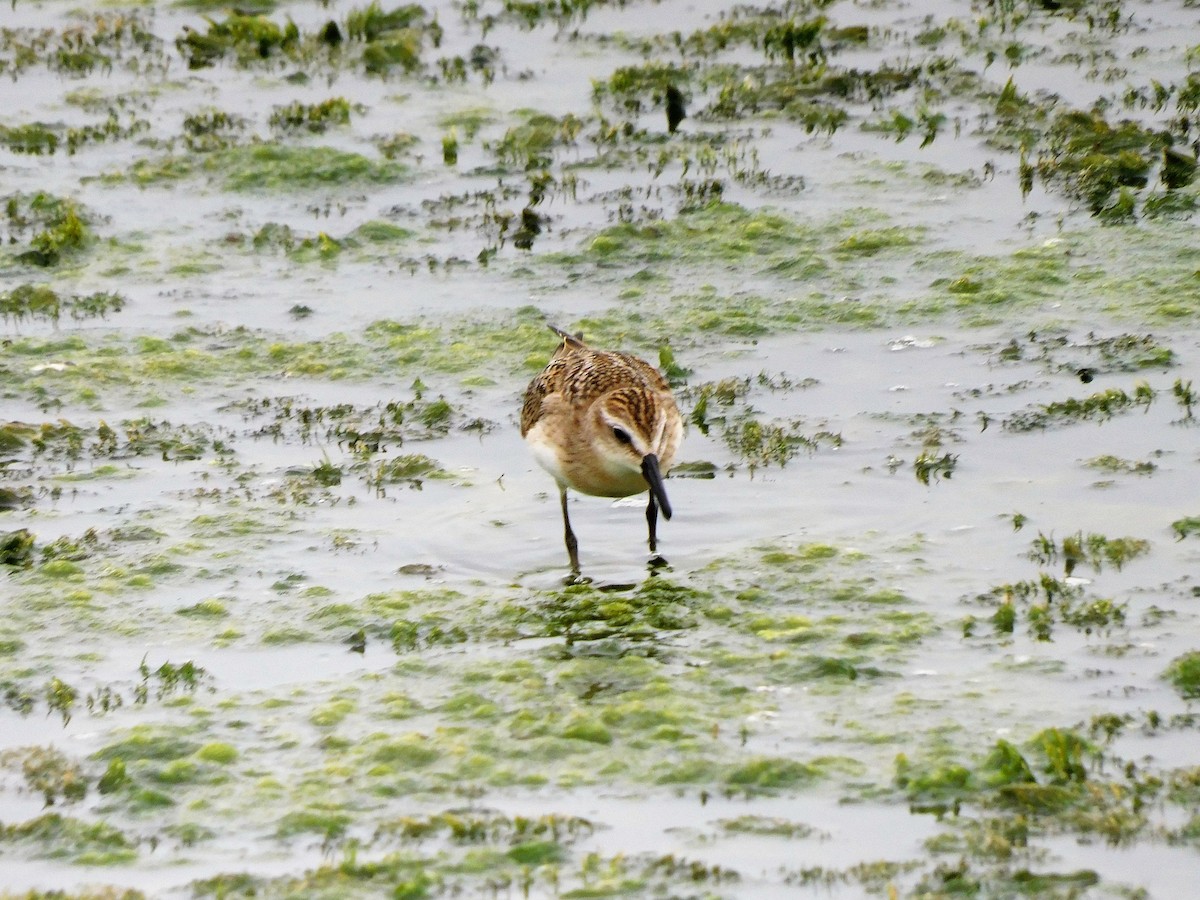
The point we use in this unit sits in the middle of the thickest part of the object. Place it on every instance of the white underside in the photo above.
(612, 481)
(544, 453)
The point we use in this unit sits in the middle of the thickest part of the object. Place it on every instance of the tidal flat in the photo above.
(284, 610)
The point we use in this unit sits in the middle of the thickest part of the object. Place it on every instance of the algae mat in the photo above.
(283, 603)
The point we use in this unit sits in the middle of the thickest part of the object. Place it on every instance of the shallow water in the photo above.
(824, 622)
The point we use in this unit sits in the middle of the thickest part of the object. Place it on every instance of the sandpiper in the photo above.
(602, 423)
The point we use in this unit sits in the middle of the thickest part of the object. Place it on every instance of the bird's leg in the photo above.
(569, 535)
(657, 562)
(652, 521)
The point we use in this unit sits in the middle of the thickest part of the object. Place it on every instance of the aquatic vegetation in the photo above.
(272, 167)
(1052, 759)
(1094, 550)
(38, 138)
(929, 465)
(207, 130)
(48, 772)
(101, 40)
(84, 843)
(259, 450)
(1099, 406)
(248, 38)
(1097, 164)
(762, 444)
(391, 39)
(57, 228)
(37, 301)
(756, 824)
(369, 240)
(1185, 397)
(1186, 526)
(411, 469)
(316, 118)
(723, 231)
(1184, 674)
(1046, 602)
(16, 547)
(583, 614)
(530, 145)
(1113, 465)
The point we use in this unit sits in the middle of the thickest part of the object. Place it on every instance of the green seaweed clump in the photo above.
(84, 843)
(316, 118)
(37, 301)
(1100, 165)
(33, 138)
(49, 772)
(282, 167)
(57, 227)
(16, 548)
(1005, 778)
(1093, 549)
(1188, 525)
(393, 38)
(213, 129)
(1184, 674)
(1098, 407)
(246, 37)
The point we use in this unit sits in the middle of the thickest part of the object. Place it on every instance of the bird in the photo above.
(602, 423)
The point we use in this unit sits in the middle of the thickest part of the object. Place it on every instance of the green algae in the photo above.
(324, 822)
(718, 232)
(315, 118)
(779, 827)
(58, 228)
(270, 167)
(147, 743)
(30, 301)
(377, 40)
(1094, 550)
(771, 774)
(638, 704)
(212, 608)
(1099, 407)
(82, 843)
(1184, 674)
(49, 772)
(1047, 602)
(1049, 786)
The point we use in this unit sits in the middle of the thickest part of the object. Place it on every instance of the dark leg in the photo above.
(652, 521)
(569, 535)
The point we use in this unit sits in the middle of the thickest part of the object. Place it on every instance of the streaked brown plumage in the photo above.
(602, 423)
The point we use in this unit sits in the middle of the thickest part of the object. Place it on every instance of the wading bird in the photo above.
(602, 423)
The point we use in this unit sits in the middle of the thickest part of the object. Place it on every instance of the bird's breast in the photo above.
(577, 464)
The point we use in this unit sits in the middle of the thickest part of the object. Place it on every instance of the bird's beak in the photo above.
(654, 479)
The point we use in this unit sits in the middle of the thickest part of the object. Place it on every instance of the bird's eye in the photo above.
(622, 435)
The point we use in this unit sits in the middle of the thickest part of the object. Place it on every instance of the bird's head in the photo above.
(631, 430)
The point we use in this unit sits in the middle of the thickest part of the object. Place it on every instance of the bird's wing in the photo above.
(535, 395)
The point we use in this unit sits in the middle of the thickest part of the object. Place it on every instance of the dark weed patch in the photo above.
(315, 118)
(207, 130)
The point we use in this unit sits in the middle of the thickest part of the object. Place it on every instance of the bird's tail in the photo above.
(571, 340)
